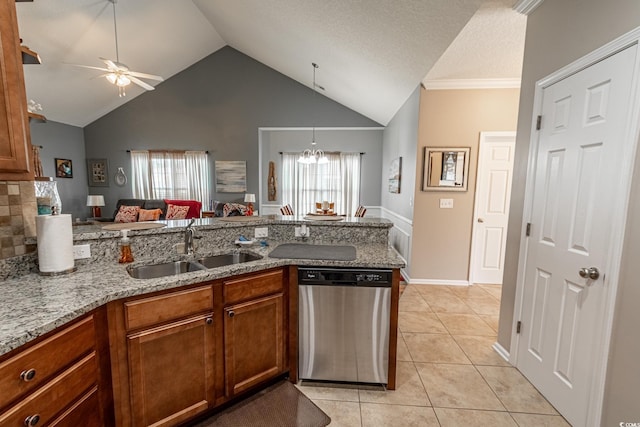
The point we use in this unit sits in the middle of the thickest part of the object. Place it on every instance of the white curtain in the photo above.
(337, 181)
(171, 175)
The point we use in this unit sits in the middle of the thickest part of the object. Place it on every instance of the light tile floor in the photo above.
(447, 371)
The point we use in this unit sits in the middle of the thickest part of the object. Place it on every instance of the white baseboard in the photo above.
(501, 351)
(438, 282)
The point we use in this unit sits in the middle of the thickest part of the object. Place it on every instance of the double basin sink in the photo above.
(153, 271)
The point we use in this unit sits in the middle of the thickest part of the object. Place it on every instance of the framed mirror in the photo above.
(445, 168)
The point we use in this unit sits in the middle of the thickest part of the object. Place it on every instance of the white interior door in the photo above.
(491, 213)
(577, 172)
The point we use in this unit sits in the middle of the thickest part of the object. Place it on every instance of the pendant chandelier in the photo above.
(313, 155)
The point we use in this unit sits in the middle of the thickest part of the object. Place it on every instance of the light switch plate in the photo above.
(446, 203)
(81, 251)
(261, 232)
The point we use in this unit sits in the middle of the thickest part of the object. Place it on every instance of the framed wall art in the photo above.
(64, 168)
(445, 168)
(395, 175)
(231, 176)
(98, 172)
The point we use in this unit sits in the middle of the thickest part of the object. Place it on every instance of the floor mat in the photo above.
(281, 405)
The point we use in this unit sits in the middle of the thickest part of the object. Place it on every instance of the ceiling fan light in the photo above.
(111, 77)
(123, 80)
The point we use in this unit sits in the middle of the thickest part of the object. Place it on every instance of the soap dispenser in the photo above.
(125, 248)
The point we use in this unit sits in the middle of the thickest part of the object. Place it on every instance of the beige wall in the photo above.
(453, 118)
(559, 32)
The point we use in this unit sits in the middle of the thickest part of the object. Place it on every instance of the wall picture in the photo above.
(64, 168)
(98, 172)
(395, 175)
(231, 176)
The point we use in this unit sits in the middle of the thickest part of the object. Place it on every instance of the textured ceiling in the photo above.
(372, 54)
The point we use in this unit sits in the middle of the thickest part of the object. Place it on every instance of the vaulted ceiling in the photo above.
(372, 54)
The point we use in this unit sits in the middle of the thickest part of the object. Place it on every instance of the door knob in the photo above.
(589, 273)
(480, 220)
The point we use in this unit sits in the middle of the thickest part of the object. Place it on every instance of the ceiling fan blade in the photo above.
(145, 76)
(90, 67)
(140, 83)
(109, 63)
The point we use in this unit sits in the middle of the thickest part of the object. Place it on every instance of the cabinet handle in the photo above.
(231, 313)
(209, 320)
(28, 375)
(31, 420)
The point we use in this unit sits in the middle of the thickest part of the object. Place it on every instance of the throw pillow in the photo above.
(127, 214)
(149, 214)
(177, 212)
(234, 209)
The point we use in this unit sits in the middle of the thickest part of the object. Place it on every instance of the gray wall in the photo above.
(355, 140)
(401, 140)
(217, 104)
(559, 32)
(63, 141)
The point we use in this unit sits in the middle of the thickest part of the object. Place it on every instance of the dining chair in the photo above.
(286, 210)
(360, 211)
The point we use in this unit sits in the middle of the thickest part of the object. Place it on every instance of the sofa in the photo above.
(195, 206)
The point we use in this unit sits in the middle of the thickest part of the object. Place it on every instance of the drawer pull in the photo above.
(231, 313)
(28, 375)
(209, 320)
(31, 420)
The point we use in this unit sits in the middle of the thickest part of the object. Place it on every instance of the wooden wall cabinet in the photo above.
(56, 381)
(15, 139)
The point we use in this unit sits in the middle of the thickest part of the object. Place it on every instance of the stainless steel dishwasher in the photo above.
(343, 329)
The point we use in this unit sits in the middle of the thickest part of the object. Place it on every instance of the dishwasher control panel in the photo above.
(337, 276)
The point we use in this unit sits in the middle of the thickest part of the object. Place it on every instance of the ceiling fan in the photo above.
(118, 73)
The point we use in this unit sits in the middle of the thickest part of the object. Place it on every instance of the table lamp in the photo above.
(249, 199)
(95, 201)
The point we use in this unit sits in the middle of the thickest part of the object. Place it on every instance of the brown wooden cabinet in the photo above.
(163, 356)
(15, 140)
(54, 380)
(254, 343)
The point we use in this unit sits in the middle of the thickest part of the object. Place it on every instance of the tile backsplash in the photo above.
(17, 217)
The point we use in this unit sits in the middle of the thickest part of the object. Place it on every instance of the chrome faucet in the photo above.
(189, 234)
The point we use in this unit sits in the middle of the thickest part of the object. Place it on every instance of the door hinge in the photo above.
(528, 232)
(518, 326)
(539, 123)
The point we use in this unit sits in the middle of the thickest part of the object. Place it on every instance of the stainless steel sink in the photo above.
(227, 259)
(153, 271)
(166, 269)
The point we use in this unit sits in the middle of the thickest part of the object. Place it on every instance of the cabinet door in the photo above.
(254, 345)
(14, 122)
(171, 371)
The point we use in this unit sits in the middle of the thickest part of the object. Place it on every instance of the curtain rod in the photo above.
(362, 153)
(169, 151)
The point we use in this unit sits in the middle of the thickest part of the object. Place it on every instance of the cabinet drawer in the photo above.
(45, 359)
(252, 287)
(55, 395)
(84, 412)
(162, 308)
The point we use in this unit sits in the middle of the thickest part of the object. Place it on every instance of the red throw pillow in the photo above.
(149, 214)
(127, 214)
(177, 212)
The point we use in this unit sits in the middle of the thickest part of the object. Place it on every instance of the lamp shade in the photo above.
(95, 200)
(250, 198)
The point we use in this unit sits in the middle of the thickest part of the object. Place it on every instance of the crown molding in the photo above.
(525, 7)
(472, 84)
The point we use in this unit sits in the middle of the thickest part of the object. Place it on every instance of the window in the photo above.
(170, 175)
(337, 181)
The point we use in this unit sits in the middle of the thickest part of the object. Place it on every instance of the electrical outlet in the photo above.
(261, 232)
(81, 251)
(302, 231)
(446, 203)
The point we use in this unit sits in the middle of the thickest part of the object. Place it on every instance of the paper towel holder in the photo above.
(58, 273)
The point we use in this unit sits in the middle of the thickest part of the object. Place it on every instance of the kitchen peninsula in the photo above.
(208, 315)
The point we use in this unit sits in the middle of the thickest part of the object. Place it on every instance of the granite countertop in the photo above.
(33, 305)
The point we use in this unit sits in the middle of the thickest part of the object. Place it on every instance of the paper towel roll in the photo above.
(55, 243)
